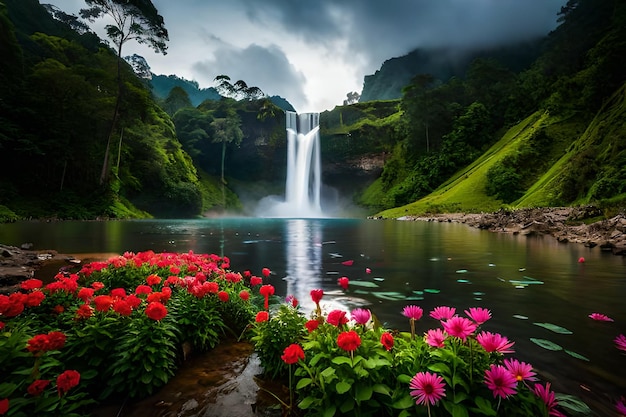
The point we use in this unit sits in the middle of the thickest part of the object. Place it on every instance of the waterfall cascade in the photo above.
(304, 178)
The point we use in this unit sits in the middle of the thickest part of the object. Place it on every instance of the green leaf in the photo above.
(404, 378)
(576, 355)
(546, 344)
(403, 403)
(328, 374)
(330, 411)
(574, 404)
(342, 387)
(485, 406)
(381, 389)
(363, 392)
(441, 368)
(303, 383)
(554, 328)
(306, 402)
(339, 360)
(348, 405)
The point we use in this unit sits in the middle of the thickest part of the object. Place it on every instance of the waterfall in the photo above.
(304, 179)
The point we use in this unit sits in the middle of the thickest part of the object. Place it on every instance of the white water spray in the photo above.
(304, 179)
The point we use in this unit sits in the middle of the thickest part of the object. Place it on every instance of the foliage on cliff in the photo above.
(547, 136)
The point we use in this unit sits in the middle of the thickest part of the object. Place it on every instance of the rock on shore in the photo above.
(566, 224)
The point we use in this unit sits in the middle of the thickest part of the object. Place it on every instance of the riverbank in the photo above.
(565, 224)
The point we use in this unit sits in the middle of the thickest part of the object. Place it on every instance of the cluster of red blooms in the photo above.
(45, 342)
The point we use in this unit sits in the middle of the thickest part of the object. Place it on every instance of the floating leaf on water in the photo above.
(519, 316)
(526, 281)
(501, 279)
(415, 298)
(366, 284)
(546, 344)
(332, 273)
(573, 403)
(418, 292)
(522, 269)
(362, 292)
(389, 295)
(478, 293)
(335, 255)
(492, 264)
(521, 286)
(576, 355)
(464, 281)
(478, 298)
(432, 290)
(433, 259)
(461, 271)
(554, 328)
(380, 279)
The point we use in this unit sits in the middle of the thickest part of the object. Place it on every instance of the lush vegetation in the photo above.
(116, 328)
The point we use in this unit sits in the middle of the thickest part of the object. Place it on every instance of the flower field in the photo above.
(116, 329)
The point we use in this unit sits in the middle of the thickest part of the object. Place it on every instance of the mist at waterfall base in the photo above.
(305, 195)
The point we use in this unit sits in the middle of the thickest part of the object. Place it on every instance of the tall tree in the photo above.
(136, 20)
(239, 90)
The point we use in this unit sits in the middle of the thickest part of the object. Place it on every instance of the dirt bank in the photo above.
(566, 224)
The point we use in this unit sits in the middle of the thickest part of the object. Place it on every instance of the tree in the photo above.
(177, 99)
(239, 90)
(136, 20)
(352, 97)
(226, 130)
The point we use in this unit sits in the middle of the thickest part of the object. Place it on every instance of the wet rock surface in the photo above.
(566, 224)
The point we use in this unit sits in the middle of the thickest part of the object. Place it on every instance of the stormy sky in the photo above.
(314, 52)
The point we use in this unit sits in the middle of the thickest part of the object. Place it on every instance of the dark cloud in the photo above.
(377, 30)
(265, 67)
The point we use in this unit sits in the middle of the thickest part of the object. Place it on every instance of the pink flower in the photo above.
(343, 282)
(494, 342)
(348, 263)
(361, 316)
(548, 398)
(443, 313)
(620, 342)
(427, 388)
(600, 317)
(478, 314)
(435, 337)
(500, 381)
(522, 371)
(620, 406)
(459, 327)
(413, 312)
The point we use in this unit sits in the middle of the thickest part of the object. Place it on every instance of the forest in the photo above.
(86, 133)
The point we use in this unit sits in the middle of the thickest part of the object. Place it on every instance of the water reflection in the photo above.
(303, 259)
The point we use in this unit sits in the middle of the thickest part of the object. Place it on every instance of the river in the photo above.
(532, 285)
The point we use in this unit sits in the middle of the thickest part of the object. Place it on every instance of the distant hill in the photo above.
(163, 84)
(396, 73)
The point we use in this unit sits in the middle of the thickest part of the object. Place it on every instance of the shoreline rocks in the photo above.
(565, 224)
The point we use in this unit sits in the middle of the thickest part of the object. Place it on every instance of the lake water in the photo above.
(522, 280)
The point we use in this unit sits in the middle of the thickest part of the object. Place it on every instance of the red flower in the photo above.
(118, 293)
(31, 284)
(153, 279)
(85, 294)
(143, 289)
(67, 380)
(386, 339)
(266, 291)
(266, 272)
(343, 282)
(4, 406)
(254, 281)
(349, 341)
(45, 342)
(291, 299)
(56, 340)
(34, 299)
(223, 296)
(244, 295)
(58, 309)
(262, 316)
(37, 387)
(247, 273)
(84, 311)
(122, 308)
(97, 285)
(337, 318)
(292, 354)
(316, 295)
(103, 302)
(156, 311)
(311, 325)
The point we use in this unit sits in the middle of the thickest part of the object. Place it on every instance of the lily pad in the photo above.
(379, 279)
(463, 281)
(389, 295)
(554, 328)
(492, 265)
(366, 284)
(418, 292)
(574, 404)
(432, 290)
(478, 293)
(461, 271)
(361, 292)
(576, 355)
(526, 281)
(415, 298)
(546, 344)
(519, 316)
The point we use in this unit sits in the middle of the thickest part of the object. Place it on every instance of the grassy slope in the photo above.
(465, 191)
